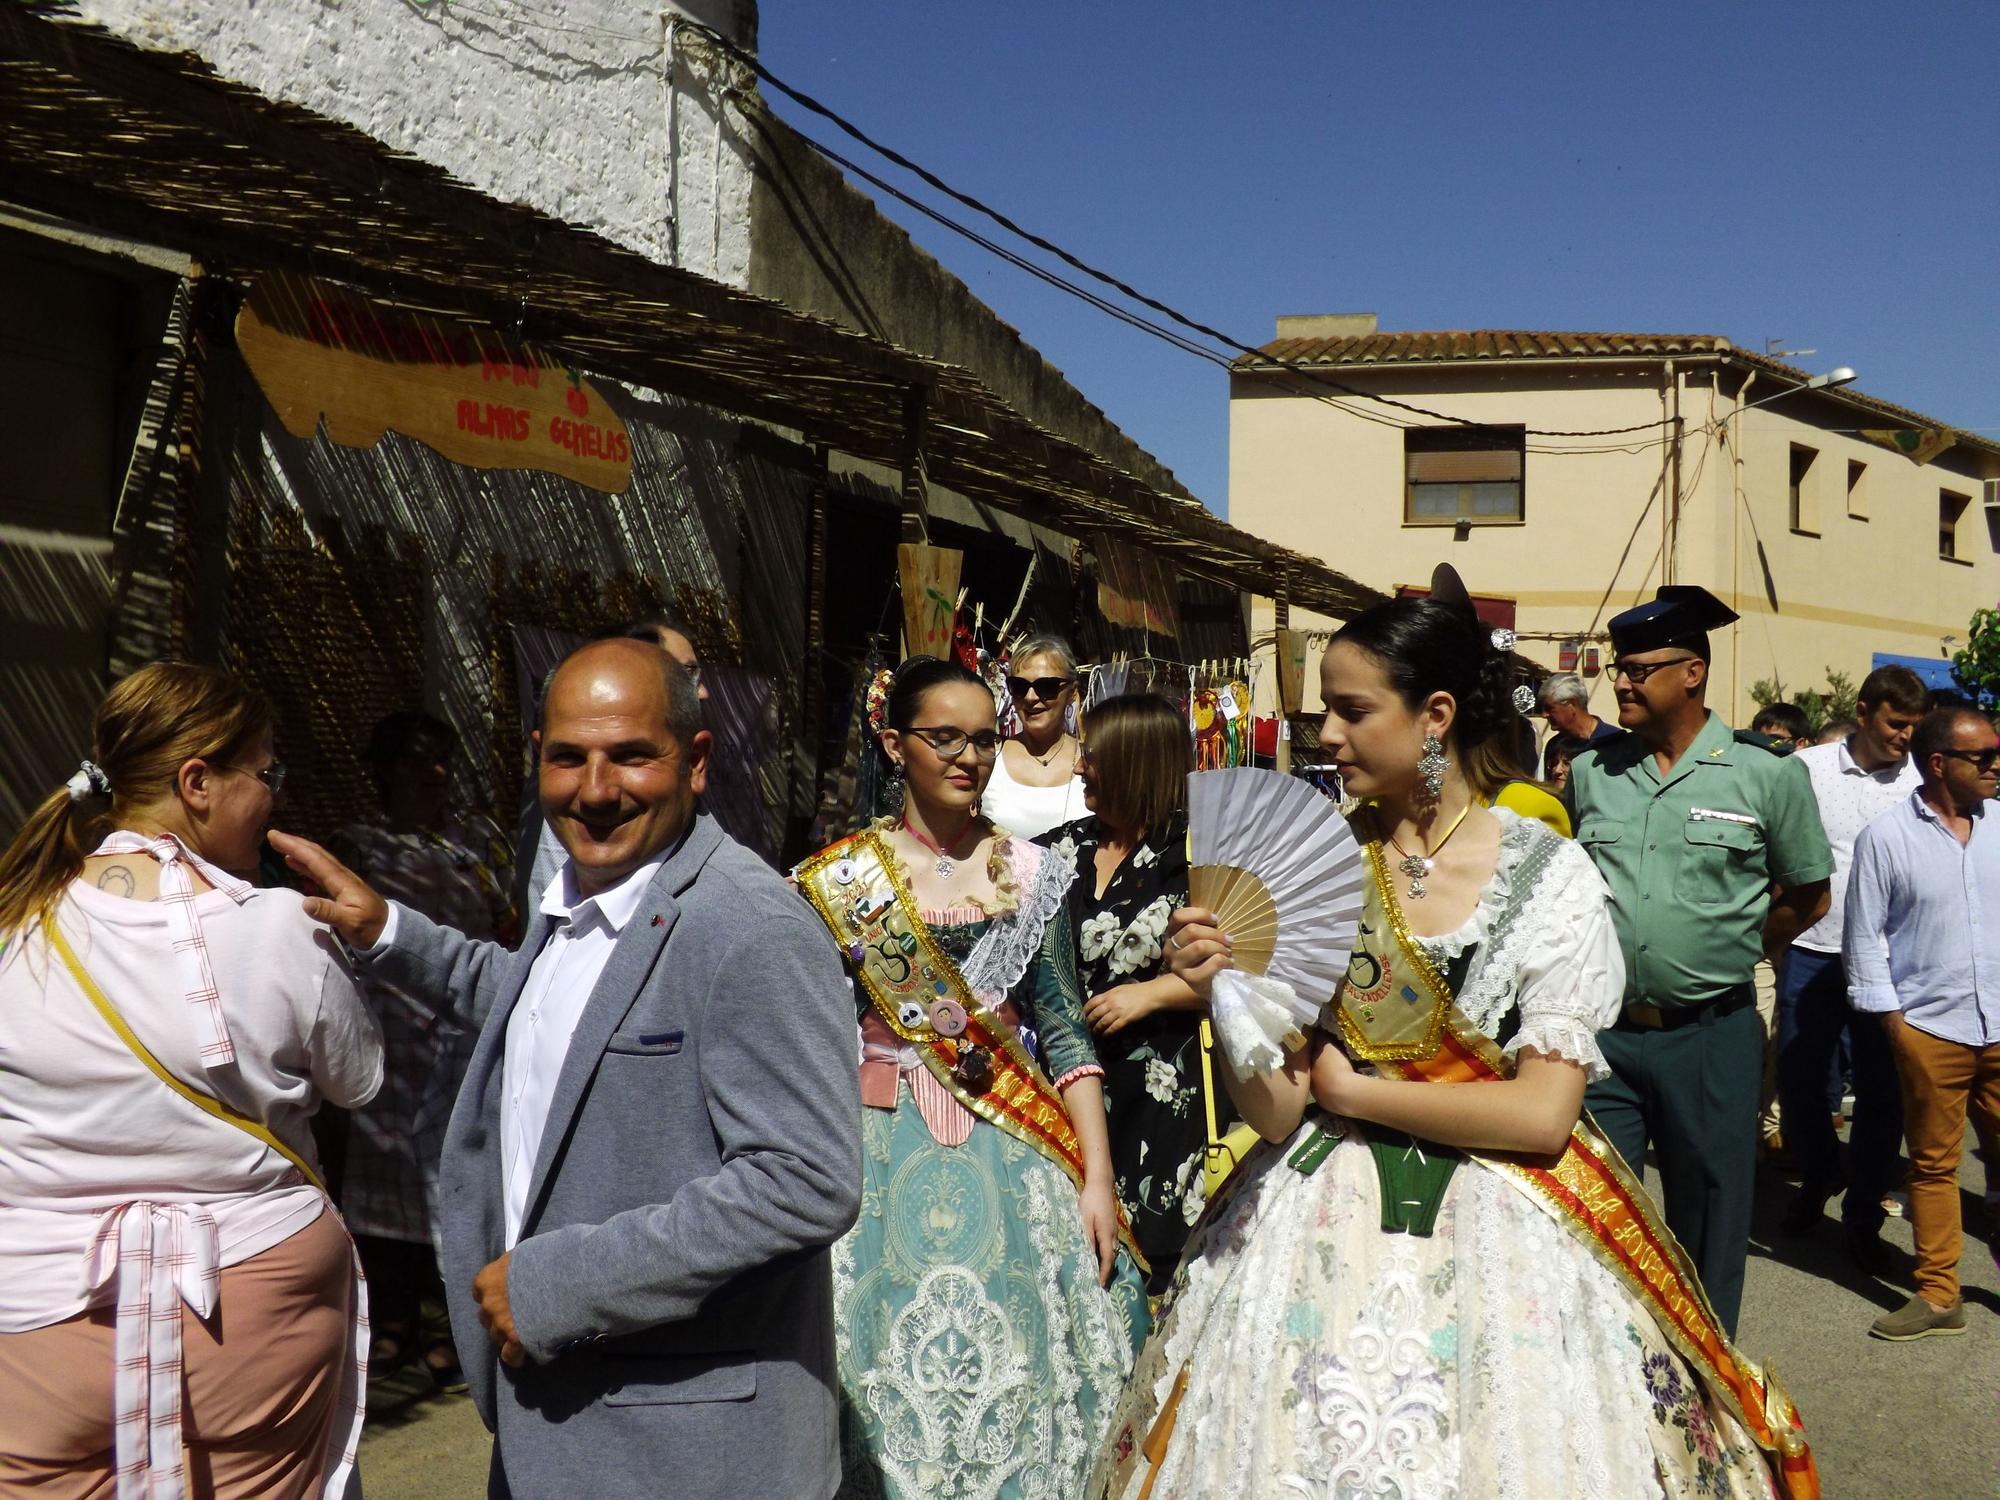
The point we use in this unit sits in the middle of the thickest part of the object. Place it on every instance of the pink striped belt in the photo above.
(886, 1059)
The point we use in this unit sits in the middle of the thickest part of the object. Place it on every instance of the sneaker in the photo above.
(1917, 1319)
(1897, 1205)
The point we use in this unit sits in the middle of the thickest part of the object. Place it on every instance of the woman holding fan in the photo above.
(989, 1299)
(1437, 1279)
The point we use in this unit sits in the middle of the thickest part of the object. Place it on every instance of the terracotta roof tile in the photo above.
(1460, 346)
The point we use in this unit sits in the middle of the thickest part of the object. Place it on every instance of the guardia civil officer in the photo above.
(1715, 856)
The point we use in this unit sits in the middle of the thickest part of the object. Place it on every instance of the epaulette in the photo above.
(1764, 742)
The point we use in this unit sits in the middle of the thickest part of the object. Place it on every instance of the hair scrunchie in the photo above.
(878, 700)
(88, 781)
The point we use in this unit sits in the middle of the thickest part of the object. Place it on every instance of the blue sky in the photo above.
(1825, 175)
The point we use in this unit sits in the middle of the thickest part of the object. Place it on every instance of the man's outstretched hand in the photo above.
(349, 904)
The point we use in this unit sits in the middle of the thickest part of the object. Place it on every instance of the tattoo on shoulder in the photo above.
(117, 880)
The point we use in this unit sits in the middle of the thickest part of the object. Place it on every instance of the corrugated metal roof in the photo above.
(1471, 346)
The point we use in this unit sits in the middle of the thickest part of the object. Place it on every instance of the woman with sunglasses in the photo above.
(988, 1301)
(1035, 786)
(179, 1305)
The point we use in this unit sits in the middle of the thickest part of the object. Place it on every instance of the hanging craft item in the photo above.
(1291, 671)
(1211, 731)
(1279, 866)
(323, 353)
(929, 577)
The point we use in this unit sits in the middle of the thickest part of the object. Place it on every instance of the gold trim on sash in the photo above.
(1589, 1189)
(859, 892)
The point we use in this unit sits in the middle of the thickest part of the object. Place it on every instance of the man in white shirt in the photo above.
(658, 1136)
(1855, 781)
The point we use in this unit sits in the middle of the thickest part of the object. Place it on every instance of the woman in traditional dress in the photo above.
(1034, 785)
(1438, 1280)
(988, 1302)
(1130, 858)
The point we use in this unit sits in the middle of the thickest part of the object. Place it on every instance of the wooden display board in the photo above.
(929, 576)
(321, 352)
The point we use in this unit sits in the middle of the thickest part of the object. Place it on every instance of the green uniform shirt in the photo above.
(1691, 857)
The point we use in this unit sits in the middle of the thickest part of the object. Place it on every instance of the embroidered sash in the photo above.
(859, 893)
(1396, 1011)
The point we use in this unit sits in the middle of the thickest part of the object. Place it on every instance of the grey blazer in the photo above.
(672, 1284)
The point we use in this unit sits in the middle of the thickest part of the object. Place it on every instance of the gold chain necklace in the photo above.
(1417, 866)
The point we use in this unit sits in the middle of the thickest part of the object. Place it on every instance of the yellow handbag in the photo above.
(1225, 1152)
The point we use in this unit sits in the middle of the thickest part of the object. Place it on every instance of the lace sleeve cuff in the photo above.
(1566, 1037)
(1084, 1070)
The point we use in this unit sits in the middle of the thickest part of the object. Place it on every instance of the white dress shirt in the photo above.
(1850, 798)
(538, 1030)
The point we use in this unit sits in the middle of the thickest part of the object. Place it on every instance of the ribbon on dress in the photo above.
(178, 896)
(1395, 1011)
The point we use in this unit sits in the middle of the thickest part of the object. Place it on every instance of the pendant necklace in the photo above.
(946, 866)
(1044, 761)
(1417, 866)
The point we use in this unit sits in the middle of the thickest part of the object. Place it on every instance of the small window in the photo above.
(1805, 503)
(1857, 489)
(1470, 474)
(1951, 510)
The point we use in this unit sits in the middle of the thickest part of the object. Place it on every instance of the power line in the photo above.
(931, 179)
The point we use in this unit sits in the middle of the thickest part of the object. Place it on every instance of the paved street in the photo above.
(1888, 1421)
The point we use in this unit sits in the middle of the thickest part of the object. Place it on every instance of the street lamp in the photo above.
(1842, 376)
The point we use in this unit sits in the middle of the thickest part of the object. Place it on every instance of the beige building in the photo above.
(1597, 466)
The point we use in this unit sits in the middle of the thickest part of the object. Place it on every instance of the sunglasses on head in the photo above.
(1045, 688)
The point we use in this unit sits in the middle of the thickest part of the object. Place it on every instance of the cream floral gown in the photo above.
(1328, 1359)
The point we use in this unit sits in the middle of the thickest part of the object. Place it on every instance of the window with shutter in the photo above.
(1459, 473)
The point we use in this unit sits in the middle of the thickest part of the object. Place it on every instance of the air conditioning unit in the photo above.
(1990, 492)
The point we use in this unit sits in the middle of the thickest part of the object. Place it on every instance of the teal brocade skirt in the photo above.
(979, 1357)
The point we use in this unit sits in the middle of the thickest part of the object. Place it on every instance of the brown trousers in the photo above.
(259, 1387)
(1942, 1083)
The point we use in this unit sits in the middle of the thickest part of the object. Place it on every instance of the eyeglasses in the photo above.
(1636, 672)
(1981, 758)
(950, 743)
(1045, 688)
(273, 775)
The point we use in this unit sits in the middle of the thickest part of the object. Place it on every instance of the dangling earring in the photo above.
(1070, 721)
(1432, 765)
(895, 793)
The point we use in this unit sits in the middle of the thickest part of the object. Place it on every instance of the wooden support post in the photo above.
(916, 507)
(812, 706)
(1281, 620)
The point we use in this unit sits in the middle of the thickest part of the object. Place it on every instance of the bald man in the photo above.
(657, 1140)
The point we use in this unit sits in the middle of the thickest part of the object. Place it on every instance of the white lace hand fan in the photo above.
(1274, 859)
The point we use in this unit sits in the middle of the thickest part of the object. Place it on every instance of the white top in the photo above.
(1849, 800)
(538, 1030)
(1028, 812)
(86, 1130)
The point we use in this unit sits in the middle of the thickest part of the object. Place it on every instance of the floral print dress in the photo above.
(1152, 1068)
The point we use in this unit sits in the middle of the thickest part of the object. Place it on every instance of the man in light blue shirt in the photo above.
(1922, 950)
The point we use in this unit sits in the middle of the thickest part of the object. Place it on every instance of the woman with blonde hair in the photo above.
(179, 1306)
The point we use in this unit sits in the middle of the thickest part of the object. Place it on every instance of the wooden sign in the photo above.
(1291, 671)
(321, 352)
(929, 577)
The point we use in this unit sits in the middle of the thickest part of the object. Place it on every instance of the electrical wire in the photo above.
(1050, 247)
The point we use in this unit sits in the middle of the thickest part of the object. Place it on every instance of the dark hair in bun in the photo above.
(1427, 646)
(915, 678)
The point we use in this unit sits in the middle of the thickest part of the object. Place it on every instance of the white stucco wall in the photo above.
(585, 109)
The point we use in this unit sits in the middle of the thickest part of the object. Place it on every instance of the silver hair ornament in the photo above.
(1524, 700)
(1504, 640)
(88, 781)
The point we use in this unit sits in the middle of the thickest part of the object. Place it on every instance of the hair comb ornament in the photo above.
(1504, 640)
(878, 700)
(1524, 700)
